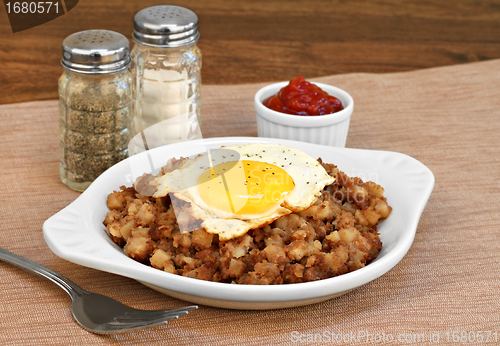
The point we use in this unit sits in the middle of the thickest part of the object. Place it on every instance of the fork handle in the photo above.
(69, 286)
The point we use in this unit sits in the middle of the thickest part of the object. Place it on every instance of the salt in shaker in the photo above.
(166, 64)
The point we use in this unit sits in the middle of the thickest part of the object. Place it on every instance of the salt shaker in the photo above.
(96, 103)
(166, 64)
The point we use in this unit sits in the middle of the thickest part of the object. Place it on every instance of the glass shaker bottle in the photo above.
(95, 101)
(166, 64)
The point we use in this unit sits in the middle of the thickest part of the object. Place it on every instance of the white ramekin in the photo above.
(328, 129)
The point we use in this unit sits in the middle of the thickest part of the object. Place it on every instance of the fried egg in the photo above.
(241, 187)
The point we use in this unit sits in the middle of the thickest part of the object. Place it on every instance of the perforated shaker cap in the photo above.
(166, 26)
(96, 52)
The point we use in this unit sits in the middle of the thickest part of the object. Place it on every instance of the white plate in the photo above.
(77, 233)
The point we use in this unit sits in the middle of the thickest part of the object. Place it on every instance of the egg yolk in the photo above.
(245, 188)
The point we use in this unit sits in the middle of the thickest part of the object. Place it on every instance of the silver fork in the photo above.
(95, 312)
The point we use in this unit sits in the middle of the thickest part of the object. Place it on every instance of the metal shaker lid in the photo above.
(96, 52)
(166, 26)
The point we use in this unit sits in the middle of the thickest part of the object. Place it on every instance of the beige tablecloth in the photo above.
(448, 118)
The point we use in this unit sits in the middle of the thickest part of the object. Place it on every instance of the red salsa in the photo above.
(300, 97)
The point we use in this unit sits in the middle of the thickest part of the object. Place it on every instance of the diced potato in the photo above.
(375, 190)
(348, 235)
(296, 270)
(313, 247)
(111, 216)
(162, 260)
(236, 268)
(291, 221)
(359, 194)
(140, 232)
(145, 215)
(383, 208)
(139, 248)
(275, 240)
(309, 212)
(360, 218)
(182, 240)
(126, 229)
(275, 253)
(350, 207)
(335, 262)
(299, 235)
(115, 200)
(242, 246)
(324, 211)
(114, 230)
(372, 215)
(202, 238)
(296, 250)
(282, 222)
(239, 251)
(333, 237)
(267, 269)
(133, 208)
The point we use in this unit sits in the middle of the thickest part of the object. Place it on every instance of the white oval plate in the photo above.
(77, 233)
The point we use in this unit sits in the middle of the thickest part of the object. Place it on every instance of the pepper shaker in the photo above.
(166, 64)
(95, 101)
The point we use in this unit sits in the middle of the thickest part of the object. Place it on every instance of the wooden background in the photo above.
(261, 40)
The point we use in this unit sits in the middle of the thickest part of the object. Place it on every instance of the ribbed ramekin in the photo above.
(328, 129)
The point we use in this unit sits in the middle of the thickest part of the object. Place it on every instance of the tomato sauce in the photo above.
(301, 97)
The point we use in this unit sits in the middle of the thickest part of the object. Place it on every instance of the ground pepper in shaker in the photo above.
(166, 64)
(95, 102)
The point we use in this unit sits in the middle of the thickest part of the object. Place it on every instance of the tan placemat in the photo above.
(448, 118)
